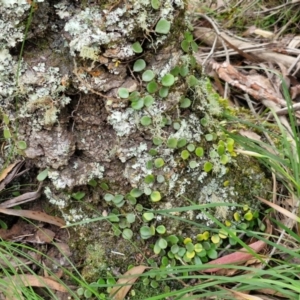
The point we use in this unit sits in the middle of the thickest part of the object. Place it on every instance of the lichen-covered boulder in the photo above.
(111, 105)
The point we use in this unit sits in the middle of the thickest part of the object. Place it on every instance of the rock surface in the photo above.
(70, 114)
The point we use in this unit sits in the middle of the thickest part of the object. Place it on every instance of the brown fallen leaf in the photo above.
(8, 174)
(237, 257)
(295, 91)
(208, 35)
(7, 261)
(16, 282)
(34, 215)
(9, 234)
(43, 236)
(7, 170)
(128, 279)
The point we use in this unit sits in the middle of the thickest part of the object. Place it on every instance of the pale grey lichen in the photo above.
(44, 89)
(80, 176)
(214, 192)
(84, 27)
(113, 18)
(92, 28)
(123, 122)
(89, 52)
(63, 202)
(136, 159)
(209, 99)
(62, 10)
(12, 30)
(189, 129)
(74, 215)
(58, 200)
(8, 66)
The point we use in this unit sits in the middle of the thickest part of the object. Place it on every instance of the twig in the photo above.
(238, 4)
(247, 49)
(72, 114)
(27, 197)
(215, 27)
(249, 102)
(277, 8)
(285, 110)
(223, 44)
(213, 48)
(293, 65)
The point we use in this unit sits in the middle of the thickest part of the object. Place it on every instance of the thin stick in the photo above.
(294, 64)
(211, 52)
(284, 111)
(215, 27)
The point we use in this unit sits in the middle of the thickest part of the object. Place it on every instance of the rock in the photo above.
(76, 124)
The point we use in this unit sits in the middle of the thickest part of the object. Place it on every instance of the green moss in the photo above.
(95, 261)
(99, 249)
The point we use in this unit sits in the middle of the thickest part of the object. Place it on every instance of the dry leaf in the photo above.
(295, 42)
(17, 262)
(43, 236)
(7, 170)
(64, 249)
(30, 280)
(250, 134)
(295, 91)
(237, 257)
(207, 35)
(290, 202)
(271, 292)
(9, 173)
(257, 86)
(281, 210)
(220, 3)
(128, 279)
(249, 31)
(24, 198)
(257, 31)
(241, 296)
(264, 33)
(8, 234)
(34, 215)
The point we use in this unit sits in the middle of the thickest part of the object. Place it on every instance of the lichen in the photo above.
(122, 122)
(80, 176)
(12, 14)
(92, 28)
